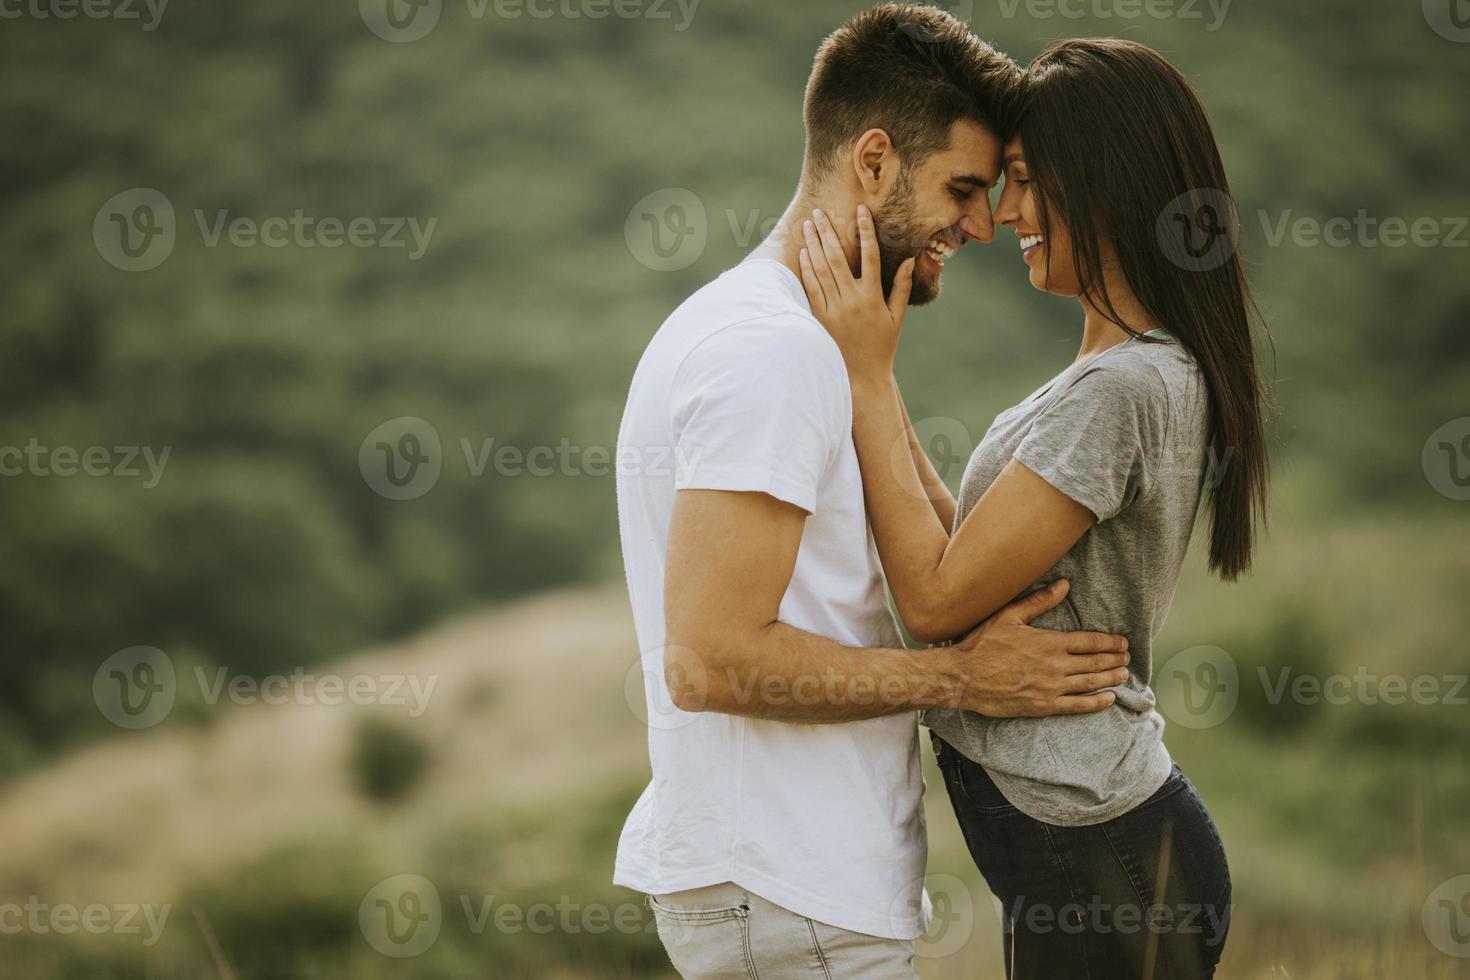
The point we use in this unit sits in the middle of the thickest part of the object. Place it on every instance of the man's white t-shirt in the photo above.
(742, 389)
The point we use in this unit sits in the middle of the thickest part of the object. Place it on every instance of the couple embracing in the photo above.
(783, 832)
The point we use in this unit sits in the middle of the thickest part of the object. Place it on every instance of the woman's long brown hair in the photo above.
(1118, 145)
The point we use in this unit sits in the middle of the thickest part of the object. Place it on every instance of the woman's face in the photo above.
(1047, 252)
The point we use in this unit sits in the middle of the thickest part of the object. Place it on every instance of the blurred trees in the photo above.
(262, 369)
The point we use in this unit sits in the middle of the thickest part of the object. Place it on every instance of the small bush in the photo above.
(387, 760)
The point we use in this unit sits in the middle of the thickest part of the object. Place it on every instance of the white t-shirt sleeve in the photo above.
(761, 406)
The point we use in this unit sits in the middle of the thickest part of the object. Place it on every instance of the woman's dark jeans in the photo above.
(1144, 896)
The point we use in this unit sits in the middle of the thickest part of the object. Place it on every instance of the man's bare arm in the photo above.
(730, 560)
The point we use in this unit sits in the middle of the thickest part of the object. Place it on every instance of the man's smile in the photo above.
(941, 247)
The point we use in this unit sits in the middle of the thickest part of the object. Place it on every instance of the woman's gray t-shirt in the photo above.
(1125, 434)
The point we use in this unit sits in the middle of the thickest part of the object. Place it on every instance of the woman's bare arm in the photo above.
(934, 486)
(942, 586)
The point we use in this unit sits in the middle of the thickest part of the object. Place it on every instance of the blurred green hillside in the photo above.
(528, 141)
(261, 850)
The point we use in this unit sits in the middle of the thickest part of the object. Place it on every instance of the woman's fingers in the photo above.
(903, 284)
(820, 265)
(813, 286)
(832, 248)
(872, 264)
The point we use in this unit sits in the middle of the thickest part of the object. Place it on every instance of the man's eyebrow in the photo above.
(978, 181)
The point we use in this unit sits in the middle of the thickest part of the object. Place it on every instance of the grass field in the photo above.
(263, 828)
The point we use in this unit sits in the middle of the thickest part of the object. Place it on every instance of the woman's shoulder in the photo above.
(1150, 362)
(1157, 372)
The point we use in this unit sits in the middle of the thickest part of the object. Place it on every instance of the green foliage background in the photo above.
(529, 140)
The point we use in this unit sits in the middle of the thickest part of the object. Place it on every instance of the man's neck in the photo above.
(786, 240)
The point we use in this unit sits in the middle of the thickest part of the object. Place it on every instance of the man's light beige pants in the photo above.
(724, 932)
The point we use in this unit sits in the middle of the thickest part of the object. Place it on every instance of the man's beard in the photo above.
(902, 236)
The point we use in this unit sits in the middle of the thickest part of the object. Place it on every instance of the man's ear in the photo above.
(875, 164)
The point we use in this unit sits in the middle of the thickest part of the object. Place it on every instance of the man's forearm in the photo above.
(783, 673)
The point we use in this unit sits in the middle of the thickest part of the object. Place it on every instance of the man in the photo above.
(783, 832)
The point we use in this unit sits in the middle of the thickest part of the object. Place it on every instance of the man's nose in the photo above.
(979, 228)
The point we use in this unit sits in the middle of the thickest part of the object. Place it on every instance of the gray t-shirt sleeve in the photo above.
(1101, 440)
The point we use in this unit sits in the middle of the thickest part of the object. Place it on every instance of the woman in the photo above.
(1105, 860)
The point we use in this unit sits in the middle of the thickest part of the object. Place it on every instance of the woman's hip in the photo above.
(1144, 894)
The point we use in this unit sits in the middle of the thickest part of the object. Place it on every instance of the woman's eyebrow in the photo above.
(1013, 158)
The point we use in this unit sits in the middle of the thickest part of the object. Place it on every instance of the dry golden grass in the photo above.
(534, 752)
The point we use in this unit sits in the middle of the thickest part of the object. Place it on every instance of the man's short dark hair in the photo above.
(910, 71)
